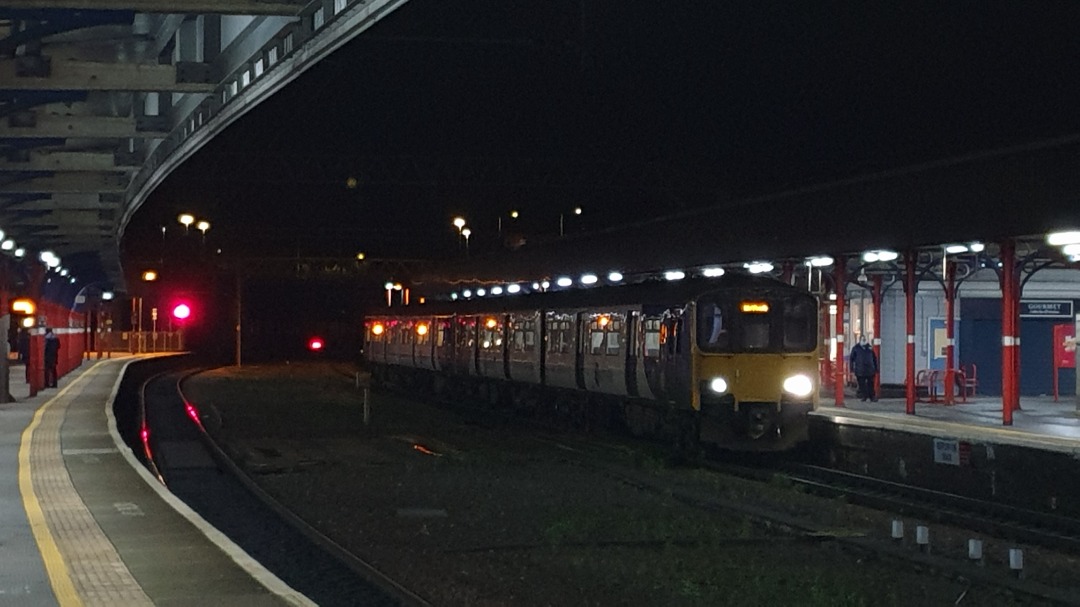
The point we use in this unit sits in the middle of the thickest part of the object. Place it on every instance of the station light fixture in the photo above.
(588, 279)
(977, 247)
(20, 252)
(820, 261)
(564, 281)
(1058, 239)
(615, 276)
(514, 288)
(454, 296)
(758, 267)
(1071, 250)
(713, 272)
(186, 219)
(107, 295)
(149, 276)
(496, 290)
(674, 275)
(879, 255)
(466, 293)
(545, 285)
(7, 245)
(956, 249)
(481, 292)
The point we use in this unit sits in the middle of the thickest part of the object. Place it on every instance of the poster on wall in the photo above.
(1064, 347)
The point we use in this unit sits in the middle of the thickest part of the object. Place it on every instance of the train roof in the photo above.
(654, 292)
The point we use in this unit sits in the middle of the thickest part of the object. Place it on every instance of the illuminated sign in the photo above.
(754, 307)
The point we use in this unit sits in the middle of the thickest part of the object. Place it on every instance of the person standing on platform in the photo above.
(864, 365)
(52, 354)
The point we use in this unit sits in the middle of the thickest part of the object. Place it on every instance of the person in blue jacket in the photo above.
(864, 365)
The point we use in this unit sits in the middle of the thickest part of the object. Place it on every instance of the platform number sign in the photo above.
(952, 452)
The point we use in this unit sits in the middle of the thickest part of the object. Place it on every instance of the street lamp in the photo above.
(186, 219)
(466, 232)
(562, 219)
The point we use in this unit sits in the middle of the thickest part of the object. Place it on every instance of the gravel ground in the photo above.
(468, 511)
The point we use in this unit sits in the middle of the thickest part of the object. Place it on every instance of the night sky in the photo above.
(629, 109)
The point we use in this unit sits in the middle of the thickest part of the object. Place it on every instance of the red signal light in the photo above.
(315, 344)
(181, 311)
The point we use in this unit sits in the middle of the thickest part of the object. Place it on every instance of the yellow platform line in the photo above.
(59, 576)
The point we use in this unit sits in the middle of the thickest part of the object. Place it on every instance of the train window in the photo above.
(596, 342)
(755, 331)
(652, 337)
(800, 318)
(713, 331)
(442, 335)
(612, 343)
(530, 336)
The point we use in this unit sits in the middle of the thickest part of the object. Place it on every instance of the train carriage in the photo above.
(731, 361)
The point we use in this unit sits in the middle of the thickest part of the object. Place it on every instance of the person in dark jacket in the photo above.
(52, 354)
(864, 365)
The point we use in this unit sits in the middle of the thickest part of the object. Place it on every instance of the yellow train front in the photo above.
(754, 367)
(729, 362)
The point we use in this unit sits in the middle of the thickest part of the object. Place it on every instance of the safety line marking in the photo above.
(55, 566)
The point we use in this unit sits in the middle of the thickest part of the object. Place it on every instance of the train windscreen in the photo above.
(756, 323)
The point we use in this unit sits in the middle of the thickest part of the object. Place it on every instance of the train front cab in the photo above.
(754, 368)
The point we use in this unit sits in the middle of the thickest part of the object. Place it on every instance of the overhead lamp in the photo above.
(955, 249)
(564, 281)
(977, 247)
(820, 261)
(7, 245)
(536, 286)
(459, 222)
(47, 257)
(514, 288)
(674, 275)
(614, 276)
(360, 256)
(1071, 249)
(588, 279)
(107, 295)
(466, 293)
(19, 252)
(713, 272)
(454, 296)
(1074, 258)
(2, 234)
(545, 285)
(481, 292)
(1062, 238)
(496, 290)
(203, 226)
(73, 280)
(881, 255)
(149, 276)
(397, 286)
(186, 219)
(388, 286)
(758, 267)
(63, 271)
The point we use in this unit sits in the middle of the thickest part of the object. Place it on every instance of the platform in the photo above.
(83, 523)
(1040, 423)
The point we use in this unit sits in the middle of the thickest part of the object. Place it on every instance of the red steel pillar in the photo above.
(826, 337)
(1008, 319)
(35, 364)
(950, 321)
(840, 282)
(910, 287)
(876, 300)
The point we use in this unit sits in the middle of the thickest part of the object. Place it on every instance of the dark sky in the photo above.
(627, 108)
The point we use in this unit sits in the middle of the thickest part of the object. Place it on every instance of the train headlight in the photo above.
(718, 385)
(798, 385)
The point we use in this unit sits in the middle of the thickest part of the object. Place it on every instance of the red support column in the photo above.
(1015, 320)
(950, 338)
(876, 299)
(840, 282)
(910, 287)
(1008, 313)
(826, 337)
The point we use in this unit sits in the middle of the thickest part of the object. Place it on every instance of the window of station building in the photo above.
(491, 334)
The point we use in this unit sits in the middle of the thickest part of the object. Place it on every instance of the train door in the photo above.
(443, 338)
(465, 345)
(633, 319)
(674, 355)
(579, 352)
(652, 338)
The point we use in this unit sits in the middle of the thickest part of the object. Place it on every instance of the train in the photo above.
(728, 362)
